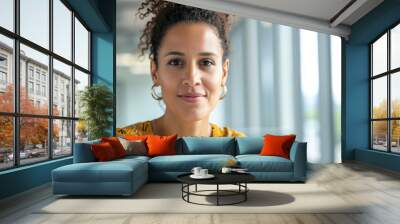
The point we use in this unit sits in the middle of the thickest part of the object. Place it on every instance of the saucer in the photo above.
(240, 171)
(208, 176)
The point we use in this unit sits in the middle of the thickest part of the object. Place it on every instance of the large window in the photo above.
(44, 64)
(385, 91)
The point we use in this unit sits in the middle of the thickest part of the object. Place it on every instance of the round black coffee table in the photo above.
(238, 179)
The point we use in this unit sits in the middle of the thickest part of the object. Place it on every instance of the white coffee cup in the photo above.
(196, 170)
(226, 170)
(203, 172)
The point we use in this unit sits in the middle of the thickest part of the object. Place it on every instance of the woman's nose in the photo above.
(192, 76)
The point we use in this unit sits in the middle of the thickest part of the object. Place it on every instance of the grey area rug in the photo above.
(166, 198)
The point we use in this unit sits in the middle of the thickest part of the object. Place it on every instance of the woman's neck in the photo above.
(170, 125)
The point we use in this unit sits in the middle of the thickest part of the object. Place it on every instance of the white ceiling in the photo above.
(318, 9)
(315, 15)
(321, 9)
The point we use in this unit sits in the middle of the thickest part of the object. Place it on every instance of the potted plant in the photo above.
(96, 103)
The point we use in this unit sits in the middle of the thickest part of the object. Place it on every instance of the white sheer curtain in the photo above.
(285, 80)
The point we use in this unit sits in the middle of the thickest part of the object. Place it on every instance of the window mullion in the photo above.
(73, 82)
(371, 140)
(50, 87)
(389, 76)
(16, 84)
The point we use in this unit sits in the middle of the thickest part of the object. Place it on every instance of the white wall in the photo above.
(134, 101)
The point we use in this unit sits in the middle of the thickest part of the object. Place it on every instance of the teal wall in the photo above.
(356, 83)
(380, 159)
(103, 52)
(99, 15)
(24, 178)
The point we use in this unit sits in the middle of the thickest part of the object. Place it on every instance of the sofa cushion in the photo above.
(83, 152)
(257, 163)
(206, 145)
(111, 171)
(185, 163)
(132, 158)
(249, 145)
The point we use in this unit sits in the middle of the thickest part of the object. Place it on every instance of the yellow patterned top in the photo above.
(145, 128)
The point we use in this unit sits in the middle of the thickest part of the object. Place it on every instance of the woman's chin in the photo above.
(190, 112)
(191, 115)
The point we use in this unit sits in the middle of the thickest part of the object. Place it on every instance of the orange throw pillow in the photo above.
(116, 145)
(161, 145)
(103, 152)
(277, 145)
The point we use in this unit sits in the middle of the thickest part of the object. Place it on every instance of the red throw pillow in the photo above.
(161, 145)
(103, 151)
(277, 145)
(116, 145)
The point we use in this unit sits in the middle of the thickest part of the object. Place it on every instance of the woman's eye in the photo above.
(207, 62)
(175, 62)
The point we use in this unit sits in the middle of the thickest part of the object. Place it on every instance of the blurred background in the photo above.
(282, 80)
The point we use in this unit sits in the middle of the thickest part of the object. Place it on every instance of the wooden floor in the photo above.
(378, 188)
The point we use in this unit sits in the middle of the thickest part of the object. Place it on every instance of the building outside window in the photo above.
(30, 87)
(3, 61)
(43, 90)
(37, 74)
(30, 72)
(3, 78)
(55, 96)
(3, 71)
(38, 89)
(44, 77)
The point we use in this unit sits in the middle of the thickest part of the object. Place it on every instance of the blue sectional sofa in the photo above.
(125, 176)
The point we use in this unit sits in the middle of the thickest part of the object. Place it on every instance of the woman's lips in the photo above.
(192, 98)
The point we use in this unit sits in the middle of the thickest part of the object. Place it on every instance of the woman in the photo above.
(188, 52)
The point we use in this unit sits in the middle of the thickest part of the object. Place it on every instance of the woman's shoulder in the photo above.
(139, 128)
(218, 131)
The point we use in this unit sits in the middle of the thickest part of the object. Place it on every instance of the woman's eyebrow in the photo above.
(174, 53)
(207, 54)
(182, 54)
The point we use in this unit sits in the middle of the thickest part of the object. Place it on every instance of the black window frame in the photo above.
(388, 74)
(16, 115)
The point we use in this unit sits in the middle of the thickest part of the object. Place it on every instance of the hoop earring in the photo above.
(154, 93)
(224, 92)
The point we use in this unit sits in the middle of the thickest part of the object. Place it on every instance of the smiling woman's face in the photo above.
(190, 70)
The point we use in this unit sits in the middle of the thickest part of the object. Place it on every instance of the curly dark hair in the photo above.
(165, 14)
